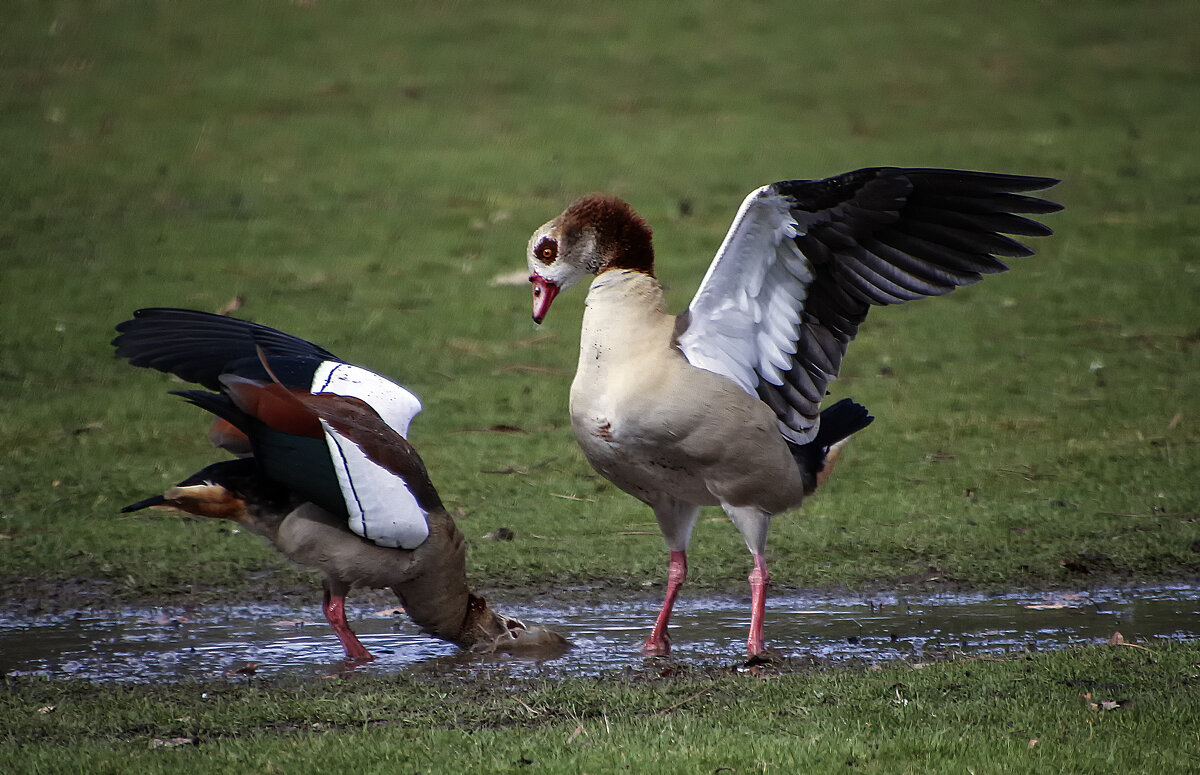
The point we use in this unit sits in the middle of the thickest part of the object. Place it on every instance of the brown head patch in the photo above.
(623, 240)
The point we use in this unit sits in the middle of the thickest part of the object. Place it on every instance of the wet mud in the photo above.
(245, 641)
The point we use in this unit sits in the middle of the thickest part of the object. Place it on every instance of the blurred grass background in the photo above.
(358, 173)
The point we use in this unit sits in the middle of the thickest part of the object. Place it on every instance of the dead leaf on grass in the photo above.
(510, 279)
(525, 705)
(530, 369)
(509, 470)
(578, 731)
(233, 305)
(470, 348)
(566, 497)
(533, 340)
(1117, 639)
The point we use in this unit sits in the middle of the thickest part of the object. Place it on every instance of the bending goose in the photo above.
(720, 405)
(327, 474)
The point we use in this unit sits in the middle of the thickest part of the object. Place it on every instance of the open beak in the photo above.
(544, 292)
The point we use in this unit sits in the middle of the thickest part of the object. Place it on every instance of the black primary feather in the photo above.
(200, 346)
(887, 235)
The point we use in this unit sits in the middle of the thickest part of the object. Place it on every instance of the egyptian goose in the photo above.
(327, 475)
(720, 404)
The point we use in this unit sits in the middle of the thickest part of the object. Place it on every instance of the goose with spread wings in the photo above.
(324, 472)
(722, 405)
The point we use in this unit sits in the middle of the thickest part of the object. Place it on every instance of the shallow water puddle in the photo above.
(181, 643)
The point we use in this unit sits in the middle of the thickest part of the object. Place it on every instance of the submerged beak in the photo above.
(544, 292)
(524, 640)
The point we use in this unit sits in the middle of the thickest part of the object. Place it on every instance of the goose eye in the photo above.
(546, 251)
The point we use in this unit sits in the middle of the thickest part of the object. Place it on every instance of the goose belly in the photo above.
(638, 459)
(684, 433)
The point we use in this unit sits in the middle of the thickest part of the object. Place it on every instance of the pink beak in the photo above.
(544, 292)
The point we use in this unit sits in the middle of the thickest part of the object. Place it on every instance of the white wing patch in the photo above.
(394, 404)
(743, 320)
(381, 506)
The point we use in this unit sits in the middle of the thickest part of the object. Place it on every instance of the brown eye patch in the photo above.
(546, 251)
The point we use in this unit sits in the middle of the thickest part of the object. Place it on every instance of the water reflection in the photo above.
(247, 640)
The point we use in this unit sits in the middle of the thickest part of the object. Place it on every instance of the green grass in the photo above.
(1101, 709)
(359, 172)
(359, 175)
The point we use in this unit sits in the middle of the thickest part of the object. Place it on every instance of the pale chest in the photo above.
(627, 410)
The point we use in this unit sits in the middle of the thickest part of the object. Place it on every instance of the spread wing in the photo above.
(198, 346)
(201, 347)
(805, 259)
(281, 391)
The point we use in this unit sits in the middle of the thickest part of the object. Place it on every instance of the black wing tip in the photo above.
(1009, 181)
(196, 346)
(153, 500)
(1004, 190)
(1018, 181)
(141, 315)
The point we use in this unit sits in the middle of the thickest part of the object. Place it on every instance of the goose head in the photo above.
(596, 233)
(485, 632)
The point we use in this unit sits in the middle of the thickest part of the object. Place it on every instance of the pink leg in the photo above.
(335, 611)
(759, 578)
(659, 643)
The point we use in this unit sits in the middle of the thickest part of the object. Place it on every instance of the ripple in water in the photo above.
(171, 644)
